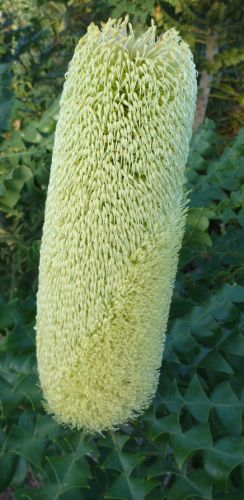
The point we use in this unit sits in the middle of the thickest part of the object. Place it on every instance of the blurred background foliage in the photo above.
(189, 444)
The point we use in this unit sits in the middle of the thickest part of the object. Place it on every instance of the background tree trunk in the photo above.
(206, 79)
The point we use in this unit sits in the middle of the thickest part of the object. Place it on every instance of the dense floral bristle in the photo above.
(114, 221)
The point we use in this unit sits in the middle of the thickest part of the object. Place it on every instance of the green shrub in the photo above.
(189, 444)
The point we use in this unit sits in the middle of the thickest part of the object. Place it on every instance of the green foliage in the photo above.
(189, 444)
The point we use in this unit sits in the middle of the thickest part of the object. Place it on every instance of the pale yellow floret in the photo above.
(114, 222)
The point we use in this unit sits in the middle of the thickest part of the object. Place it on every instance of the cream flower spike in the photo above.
(114, 222)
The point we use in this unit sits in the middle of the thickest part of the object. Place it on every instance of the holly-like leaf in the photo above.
(172, 398)
(130, 488)
(228, 407)
(68, 471)
(222, 458)
(122, 462)
(27, 445)
(184, 444)
(194, 485)
(163, 426)
(214, 361)
(196, 401)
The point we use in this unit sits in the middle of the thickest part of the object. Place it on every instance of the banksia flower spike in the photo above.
(114, 221)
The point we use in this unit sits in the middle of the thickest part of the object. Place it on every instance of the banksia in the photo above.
(114, 221)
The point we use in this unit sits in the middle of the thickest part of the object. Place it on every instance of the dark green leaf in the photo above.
(130, 488)
(196, 401)
(228, 407)
(8, 463)
(184, 444)
(220, 460)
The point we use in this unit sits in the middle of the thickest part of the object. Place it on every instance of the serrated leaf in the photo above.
(9, 398)
(11, 314)
(181, 340)
(221, 459)
(27, 445)
(172, 398)
(80, 445)
(221, 308)
(184, 444)
(234, 345)
(228, 407)
(214, 361)
(123, 461)
(68, 471)
(164, 425)
(160, 467)
(21, 338)
(194, 485)
(130, 488)
(108, 440)
(201, 322)
(46, 426)
(29, 390)
(196, 401)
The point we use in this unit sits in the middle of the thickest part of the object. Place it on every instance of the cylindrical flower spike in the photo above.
(114, 222)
